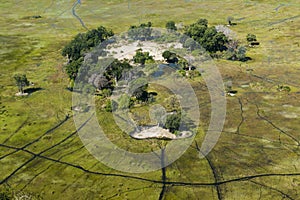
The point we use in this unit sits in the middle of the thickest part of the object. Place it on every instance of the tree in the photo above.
(99, 81)
(115, 69)
(73, 67)
(138, 89)
(235, 52)
(141, 57)
(229, 20)
(21, 82)
(190, 44)
(241, 53)
(170, 57)
(141, 93)
(173, 122)
(213, 41)
(170, 25)
(251, 37)
(183, 63)
(207, 37)
(202, 22)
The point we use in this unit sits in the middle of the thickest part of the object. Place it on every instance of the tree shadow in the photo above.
(246, 59)
(32, 90)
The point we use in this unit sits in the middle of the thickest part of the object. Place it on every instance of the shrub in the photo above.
(251, 37)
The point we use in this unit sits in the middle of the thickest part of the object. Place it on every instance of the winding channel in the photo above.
(75, 15)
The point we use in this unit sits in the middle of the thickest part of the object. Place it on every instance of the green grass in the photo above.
(33, 46)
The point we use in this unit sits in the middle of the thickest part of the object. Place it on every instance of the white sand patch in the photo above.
(287, 106)
(289, 115)
(19, 94)
(160, 133)
(127, 50)
(154, 132)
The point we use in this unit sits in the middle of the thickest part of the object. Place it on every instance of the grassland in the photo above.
(257, 156)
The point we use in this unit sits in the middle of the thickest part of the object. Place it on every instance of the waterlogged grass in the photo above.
(261, 128)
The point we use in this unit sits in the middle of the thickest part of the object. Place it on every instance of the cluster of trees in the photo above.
(81, 44)
(109, 79)
(207, 37)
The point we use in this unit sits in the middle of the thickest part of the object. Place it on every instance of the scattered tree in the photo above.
(170, 26)
(251, 37)
(229, 20)
(21, 82)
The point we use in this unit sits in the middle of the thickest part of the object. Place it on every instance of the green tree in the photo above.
(170, 26)
(173, 122)
(73, 67)
(202, 22)
(21, 82)
(251, 37)
(82, 43)
(207, 37)
(138, 89)
(142, 57)
(241, 53)
(170, 57)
